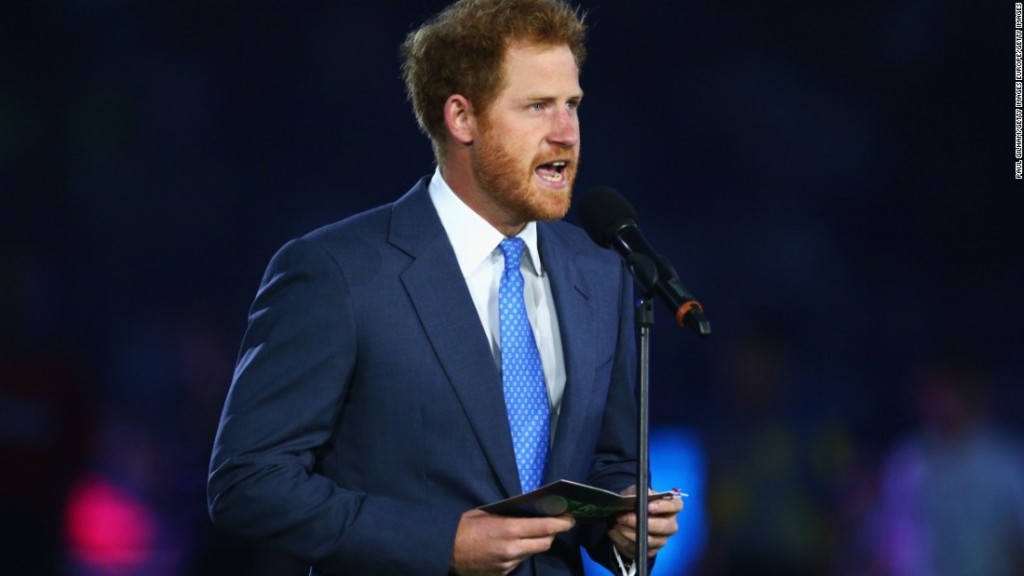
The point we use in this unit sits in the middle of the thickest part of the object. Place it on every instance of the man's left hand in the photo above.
(661, 524)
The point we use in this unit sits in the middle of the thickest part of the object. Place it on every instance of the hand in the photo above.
(661, 523)
(486, 544)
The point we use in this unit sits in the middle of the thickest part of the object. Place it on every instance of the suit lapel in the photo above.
(445, 309)
(577, 323)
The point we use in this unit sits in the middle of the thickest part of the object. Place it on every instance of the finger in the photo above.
(627, 545)
(654, 538)
(626, 519)
(665, 518)
(527, 547)
(658, 509)
(513, 552)
(563, 523)
(655, 543)
(540, 527)
(624, 544)
(657, 536)
(665, 506)
(627, 534)
(662, 526)
(556, 524)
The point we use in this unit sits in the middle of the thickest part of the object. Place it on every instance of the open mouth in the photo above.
(553, 172)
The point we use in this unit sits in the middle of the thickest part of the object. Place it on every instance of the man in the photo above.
(370, 412)
(923, 523)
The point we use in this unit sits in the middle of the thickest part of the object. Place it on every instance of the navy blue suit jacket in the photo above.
(366, 412)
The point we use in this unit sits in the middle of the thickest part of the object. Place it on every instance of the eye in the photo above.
(538, 106)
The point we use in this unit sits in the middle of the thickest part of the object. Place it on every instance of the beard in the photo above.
(510, 181)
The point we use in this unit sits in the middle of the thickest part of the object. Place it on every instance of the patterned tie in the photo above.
(526, 394)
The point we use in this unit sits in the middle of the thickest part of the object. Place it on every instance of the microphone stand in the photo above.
(646, 273)
(644, 270)
(644, 320)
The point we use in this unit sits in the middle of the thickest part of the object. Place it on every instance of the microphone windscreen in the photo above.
(603, 211)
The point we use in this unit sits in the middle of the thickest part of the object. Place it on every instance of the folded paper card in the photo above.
(585, 503)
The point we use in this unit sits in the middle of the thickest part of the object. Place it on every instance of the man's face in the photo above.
(527, 151)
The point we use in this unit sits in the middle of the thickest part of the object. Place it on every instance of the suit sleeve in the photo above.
(294, 370)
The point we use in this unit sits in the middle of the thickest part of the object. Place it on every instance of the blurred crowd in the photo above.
(793, 490)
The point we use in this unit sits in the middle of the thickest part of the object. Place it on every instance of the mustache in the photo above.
(570, 159)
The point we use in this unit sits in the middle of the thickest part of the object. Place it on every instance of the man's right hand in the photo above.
(490, 545)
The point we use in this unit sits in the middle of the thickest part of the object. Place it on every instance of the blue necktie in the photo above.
(526, 394)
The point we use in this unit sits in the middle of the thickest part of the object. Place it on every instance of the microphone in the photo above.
(611, 221)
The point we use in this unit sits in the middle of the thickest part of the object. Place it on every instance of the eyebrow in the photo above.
(539, 98)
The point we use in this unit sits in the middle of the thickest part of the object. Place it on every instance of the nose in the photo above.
(565, 128)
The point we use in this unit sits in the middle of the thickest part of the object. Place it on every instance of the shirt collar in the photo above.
(472, 237)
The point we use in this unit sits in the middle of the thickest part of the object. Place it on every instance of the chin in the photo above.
(549, 205)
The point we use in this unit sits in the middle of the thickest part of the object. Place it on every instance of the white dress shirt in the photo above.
(475, 243)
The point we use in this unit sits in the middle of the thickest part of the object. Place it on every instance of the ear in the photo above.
(460, 119)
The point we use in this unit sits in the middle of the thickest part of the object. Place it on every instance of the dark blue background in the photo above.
(839, 177)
